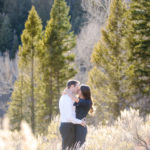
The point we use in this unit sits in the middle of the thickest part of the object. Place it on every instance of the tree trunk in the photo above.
(58, 86)
(32, 94)
(21, 111)
(51, 96)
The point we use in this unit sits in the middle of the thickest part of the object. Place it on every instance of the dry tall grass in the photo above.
(129, 132)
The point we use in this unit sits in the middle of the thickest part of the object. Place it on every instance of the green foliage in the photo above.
(28, 58)
(139, 44)
(108, 79)
(1, 5)
(14, 49)
(18, 12)
(31, 36)
(6, 35)
(46, 64)
(1, 19)
(17, 107)
(30, 39)
(43, 8)
(77, 15)
(56, 60)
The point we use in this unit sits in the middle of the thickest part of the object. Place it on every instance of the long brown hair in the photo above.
(86, 92)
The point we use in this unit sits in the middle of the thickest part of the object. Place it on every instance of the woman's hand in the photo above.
(73, 97)
(66, 91)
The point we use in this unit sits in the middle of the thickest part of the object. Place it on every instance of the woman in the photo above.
(83, 106)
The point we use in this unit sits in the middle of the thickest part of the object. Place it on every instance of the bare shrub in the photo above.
(97, 12)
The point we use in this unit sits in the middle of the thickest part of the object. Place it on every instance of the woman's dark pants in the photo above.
(80, 135)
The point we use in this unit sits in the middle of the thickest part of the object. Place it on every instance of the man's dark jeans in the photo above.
(67, 131)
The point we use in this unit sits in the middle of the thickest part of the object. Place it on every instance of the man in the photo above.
(68, 116)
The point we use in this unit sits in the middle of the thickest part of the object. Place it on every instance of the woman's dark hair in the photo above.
(86, 92)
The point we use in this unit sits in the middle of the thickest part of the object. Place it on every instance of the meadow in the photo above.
(129, 132)
(110, 54)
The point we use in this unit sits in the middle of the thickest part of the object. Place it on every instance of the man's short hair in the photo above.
(72, 82)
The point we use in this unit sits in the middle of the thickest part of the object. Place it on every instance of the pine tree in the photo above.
(15, 44)
(29, 53)
(139, 44)
(19, 107)
(16, 106)
(17, 12)
(42, 107)
(1, 5)
(6, 35)
(56, 65)
(1, 19)
(43, 8)
(108, 79)
(15, 111)
(77, 14)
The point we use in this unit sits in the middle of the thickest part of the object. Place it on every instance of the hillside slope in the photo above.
(8, 75)
(88, 24)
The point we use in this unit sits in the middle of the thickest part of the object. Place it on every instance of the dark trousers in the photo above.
(67, 131)
(80, 135)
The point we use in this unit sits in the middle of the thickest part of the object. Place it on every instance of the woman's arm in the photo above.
(73, 97)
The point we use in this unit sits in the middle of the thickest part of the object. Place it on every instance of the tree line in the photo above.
(45, 64)
(14, 13)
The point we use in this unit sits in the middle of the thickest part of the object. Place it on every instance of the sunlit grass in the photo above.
(129, 132)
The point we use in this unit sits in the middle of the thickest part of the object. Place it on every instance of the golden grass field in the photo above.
(129, 132)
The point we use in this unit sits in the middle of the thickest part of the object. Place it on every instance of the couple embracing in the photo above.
(73, 111)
